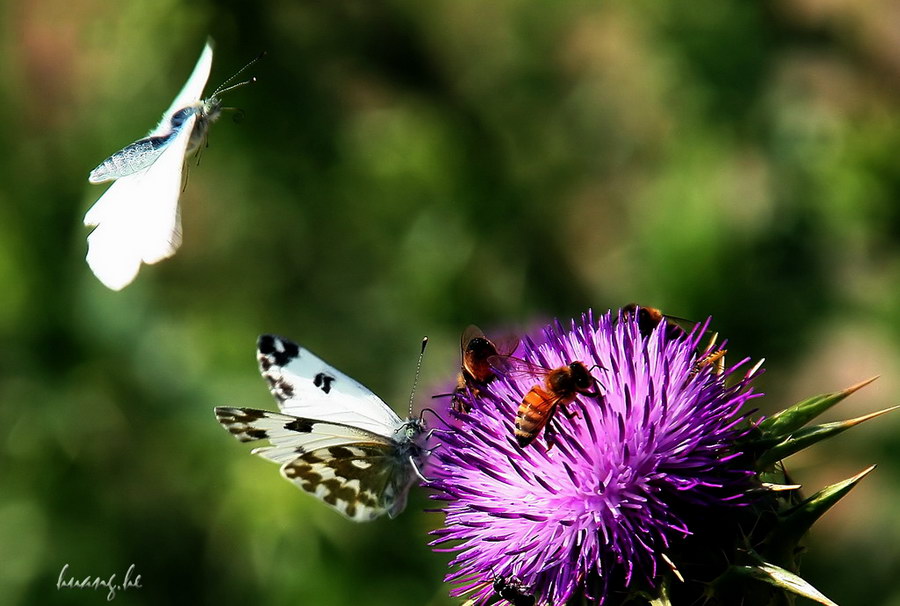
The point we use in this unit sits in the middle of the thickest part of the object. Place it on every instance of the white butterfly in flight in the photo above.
(137, 218)
(334, 438)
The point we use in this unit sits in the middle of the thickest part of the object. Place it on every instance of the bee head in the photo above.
(582, 379)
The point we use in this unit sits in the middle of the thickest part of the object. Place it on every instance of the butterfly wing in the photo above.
(306, 386)
(137, 218)
(360, 474)
(144, 152)
(192, 90)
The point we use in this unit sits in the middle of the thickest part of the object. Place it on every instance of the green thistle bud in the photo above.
(764, 562)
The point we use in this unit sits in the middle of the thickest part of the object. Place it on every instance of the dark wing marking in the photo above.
(360, 474)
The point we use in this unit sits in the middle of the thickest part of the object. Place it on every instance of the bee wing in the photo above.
(649, 318)
(677, 326)
(507, 345)
(471, 332)
(137, 218)
(509, 366)
(192, 90)
(682, 323)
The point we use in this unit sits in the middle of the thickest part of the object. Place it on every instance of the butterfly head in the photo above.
(209, 111)
(411, 440)
(410, 430)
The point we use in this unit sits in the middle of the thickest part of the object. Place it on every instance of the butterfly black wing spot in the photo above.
(299, 425)
(276, 350)
(323, 382)
(255, 434)
(340, 452)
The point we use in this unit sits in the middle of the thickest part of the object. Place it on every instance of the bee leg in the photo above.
(550, 428)
(569, 414)
(549, 438)
(463, 407)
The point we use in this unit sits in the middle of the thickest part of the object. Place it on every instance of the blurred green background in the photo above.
(406, 168)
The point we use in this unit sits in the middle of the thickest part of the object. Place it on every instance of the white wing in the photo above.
(360, 474)
(137, 218)
(306, 386)
(144, 152)
(192, 90)
(289, 432)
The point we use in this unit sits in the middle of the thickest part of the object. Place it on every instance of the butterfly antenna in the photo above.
(437, 416)
(224, 88)
(220, 91)
(412, 394)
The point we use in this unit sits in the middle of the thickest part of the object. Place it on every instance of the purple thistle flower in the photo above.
(600, 510)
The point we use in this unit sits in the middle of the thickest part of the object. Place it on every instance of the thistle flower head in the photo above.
(593, 504)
